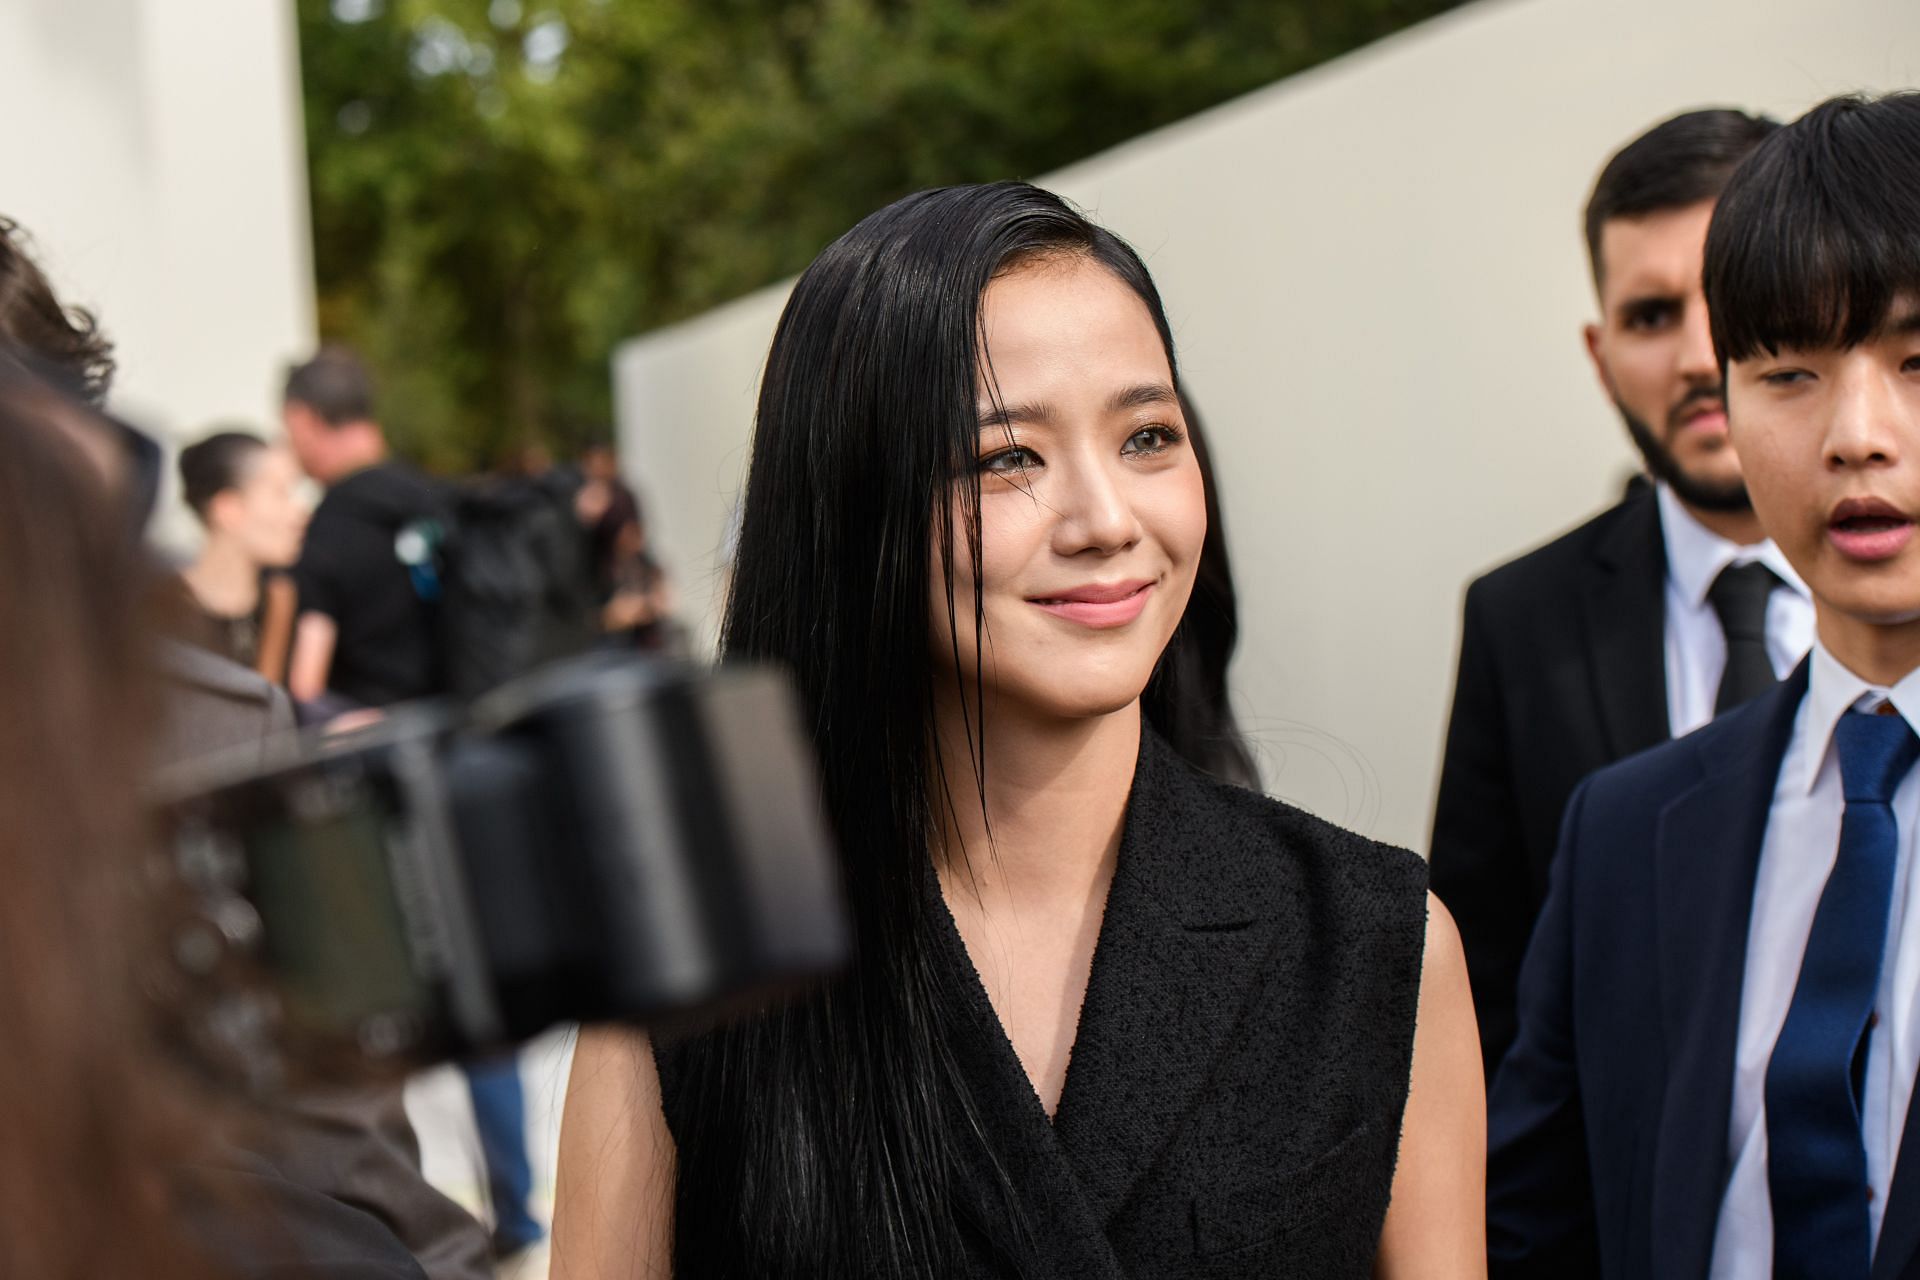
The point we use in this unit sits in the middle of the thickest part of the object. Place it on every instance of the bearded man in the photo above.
(1646, 621)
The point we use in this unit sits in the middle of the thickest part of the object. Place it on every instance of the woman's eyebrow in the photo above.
(1005, 415)
(1142, 396)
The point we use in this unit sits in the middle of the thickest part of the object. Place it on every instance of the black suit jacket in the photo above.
(1608, 1121)
(1562, 671)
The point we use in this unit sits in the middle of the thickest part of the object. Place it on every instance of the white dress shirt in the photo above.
(1696, 646)
(1798, 852)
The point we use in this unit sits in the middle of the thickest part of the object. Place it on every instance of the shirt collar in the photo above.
(1696, 554)
(1833, 690)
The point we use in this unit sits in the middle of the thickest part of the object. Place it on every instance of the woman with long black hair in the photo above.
(1110, 1015)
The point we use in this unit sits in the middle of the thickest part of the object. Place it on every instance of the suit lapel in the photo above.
(1897, 1256)
(1707, 850)
(1626, 621)
(1179, 949)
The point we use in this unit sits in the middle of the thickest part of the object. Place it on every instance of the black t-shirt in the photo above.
(350, 571)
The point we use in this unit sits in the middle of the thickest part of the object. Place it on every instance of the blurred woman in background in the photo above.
(237, 601)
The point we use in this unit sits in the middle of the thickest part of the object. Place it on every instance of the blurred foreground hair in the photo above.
(87, 1116)
(834, 1135)
(1817, 238)
(32, 319)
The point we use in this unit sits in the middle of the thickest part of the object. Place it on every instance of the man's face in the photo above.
(1654, 353)
(306, 436)
(1831, 441)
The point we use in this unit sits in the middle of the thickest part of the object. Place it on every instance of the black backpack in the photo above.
(505, 565)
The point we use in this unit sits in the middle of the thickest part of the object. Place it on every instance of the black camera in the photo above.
(607, 839)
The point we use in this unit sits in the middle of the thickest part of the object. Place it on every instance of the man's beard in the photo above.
(1707, 495)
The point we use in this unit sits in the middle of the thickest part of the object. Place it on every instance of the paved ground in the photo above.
(450, 1149)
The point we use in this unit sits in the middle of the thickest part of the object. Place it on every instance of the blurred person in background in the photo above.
(211, 704)
(1646, 621)
(111, 1162)
(972, 529)
(518, 544)
(367, 637)
(364, 634)
(352, 1146)
(636, 598)
(238, 601)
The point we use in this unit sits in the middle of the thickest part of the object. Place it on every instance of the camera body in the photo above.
(611, 838)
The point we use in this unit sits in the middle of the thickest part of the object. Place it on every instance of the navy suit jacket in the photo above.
(1608, 1121)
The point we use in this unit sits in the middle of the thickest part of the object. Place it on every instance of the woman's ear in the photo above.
(224, 510)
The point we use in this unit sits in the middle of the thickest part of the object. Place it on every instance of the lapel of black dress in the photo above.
(1706, 854)
(1180, 948)
(1626, 625)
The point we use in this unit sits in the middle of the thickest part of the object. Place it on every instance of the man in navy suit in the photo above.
(1720, 1009)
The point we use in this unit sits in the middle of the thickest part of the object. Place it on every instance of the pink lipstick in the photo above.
(1099, 605)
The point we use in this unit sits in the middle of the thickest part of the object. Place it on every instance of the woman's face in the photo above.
(1092, 510)
(265, 511)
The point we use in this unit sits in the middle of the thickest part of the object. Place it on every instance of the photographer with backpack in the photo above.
(410, 590)
(364, 637)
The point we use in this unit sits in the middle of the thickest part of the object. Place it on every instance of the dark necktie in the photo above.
(1816, 1161)
(1739, 596)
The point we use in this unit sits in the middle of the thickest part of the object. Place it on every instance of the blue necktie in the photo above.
(1816, 1162)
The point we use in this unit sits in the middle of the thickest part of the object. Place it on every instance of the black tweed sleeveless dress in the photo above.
(1233, 1102)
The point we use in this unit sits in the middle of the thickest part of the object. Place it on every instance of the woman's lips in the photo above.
(1099, 607)
(1868, 529)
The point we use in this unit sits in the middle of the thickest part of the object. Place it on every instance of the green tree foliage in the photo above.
(504, 189)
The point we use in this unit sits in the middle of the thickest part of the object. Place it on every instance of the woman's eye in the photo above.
(1010, 461)
(1151, 440)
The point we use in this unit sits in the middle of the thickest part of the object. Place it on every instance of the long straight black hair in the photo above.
(828, 1135)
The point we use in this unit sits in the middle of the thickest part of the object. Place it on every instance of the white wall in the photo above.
(1376, 275)
(153, 148)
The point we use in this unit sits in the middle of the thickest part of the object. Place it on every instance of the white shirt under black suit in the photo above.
(1696, 646)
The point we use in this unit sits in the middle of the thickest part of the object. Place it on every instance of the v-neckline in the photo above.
(1174, 961)
(1013, 1120)
(1000, 1043)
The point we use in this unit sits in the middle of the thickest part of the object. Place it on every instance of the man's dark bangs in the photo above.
(1817, 237)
